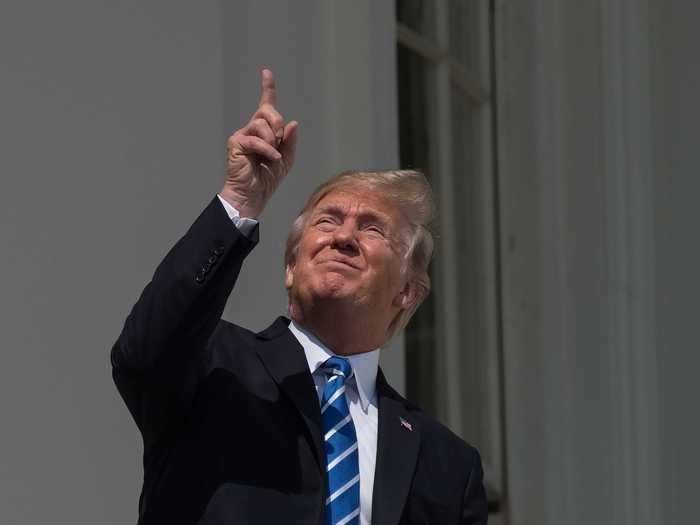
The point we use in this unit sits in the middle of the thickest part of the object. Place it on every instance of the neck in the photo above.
(345, 332)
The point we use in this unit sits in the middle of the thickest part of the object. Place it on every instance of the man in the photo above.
(296, 424)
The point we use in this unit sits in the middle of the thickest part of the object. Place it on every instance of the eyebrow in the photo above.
(334, 209)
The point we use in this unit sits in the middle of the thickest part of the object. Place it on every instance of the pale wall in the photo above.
(676, 220)
(598, 153)
(113, 124)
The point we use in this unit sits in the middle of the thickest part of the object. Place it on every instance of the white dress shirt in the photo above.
(360, 389)
(244, 224)
(361, 394)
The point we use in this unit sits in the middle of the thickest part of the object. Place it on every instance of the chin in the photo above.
(332, 285)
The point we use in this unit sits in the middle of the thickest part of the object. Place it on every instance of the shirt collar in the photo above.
(364, 365)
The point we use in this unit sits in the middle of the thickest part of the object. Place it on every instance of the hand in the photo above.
(259, 155)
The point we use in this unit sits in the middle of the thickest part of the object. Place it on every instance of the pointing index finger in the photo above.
(268, 95)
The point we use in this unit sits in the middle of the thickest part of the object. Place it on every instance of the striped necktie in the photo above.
(343, 497)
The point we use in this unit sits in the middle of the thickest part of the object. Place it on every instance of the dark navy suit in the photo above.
(230, 419)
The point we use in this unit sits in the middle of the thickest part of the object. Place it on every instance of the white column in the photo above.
(631, 330)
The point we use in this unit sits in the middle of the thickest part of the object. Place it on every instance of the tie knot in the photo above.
(338, 366)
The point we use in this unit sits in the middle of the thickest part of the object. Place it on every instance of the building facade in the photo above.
(560, 138)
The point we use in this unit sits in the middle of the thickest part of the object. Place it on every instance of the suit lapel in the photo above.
(284, 359)
(397, 451)
(398, 435)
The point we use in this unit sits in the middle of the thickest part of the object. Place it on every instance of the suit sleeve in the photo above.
(475, 505)
(154, 360)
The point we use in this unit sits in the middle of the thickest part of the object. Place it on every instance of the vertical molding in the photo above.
(489, 257)
(449, 319)
(517, 45)
(348, 99)
(629, 172)
(558, 319)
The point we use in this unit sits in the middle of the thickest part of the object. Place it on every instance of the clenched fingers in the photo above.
(273, 118)
(259, 127)
(252, 145)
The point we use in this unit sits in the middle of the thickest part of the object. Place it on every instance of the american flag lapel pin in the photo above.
(406, 424)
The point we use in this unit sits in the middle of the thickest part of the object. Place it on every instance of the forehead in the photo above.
(360, 202)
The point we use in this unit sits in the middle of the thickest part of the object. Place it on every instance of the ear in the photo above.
(289, 276)
(407, 296)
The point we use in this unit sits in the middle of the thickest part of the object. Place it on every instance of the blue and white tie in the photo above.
(343, 467)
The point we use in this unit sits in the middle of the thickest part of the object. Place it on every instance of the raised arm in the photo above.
(156, 353)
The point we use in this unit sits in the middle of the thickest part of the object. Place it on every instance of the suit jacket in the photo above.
(230, 419)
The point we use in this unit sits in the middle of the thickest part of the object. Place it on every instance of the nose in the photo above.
(344, 237)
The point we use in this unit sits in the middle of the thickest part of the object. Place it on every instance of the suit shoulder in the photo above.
(230, 331)
(228, 344)
(438, 436)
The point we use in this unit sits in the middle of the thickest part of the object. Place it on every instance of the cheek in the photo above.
(306, 273)
(387, 267)
(311, 245)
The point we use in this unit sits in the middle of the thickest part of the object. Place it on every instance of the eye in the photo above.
(325, 222)
(374, 229)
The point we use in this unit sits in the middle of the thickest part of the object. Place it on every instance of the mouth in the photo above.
(339, 262)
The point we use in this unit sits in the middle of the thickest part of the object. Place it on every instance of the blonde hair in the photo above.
(411, 192)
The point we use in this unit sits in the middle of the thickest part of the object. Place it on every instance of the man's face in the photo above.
(352, 250)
